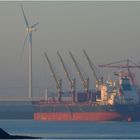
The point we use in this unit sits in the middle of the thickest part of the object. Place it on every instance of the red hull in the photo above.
(78, 116)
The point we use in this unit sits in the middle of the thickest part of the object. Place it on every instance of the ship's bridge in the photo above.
(126, 86)
(129, 91)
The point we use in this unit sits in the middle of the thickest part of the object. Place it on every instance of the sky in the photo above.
(108, 31)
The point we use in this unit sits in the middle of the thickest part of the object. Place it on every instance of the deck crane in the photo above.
(93, 70)
(128, 65)
(58, 82)
(71, 81)
(85, 82)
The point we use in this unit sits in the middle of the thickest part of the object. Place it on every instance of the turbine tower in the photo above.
(29, 30)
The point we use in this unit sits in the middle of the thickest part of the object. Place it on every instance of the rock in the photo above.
(5, 135)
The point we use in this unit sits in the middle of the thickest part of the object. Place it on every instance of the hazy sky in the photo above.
(109, 31)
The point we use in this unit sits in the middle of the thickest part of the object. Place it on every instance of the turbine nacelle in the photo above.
(31, 29)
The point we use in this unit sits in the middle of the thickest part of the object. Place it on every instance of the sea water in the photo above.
(72, 130)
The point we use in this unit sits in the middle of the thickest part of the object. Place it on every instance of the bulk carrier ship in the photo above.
(116, 100)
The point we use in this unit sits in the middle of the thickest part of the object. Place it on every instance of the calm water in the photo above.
(71, 130)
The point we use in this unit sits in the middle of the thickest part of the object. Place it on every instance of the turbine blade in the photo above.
(25, 19)
(30, 39)
(33, 26)
(24, 45)
(25, 39)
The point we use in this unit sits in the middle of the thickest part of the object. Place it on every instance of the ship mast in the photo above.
(71, 81)
(58, 82)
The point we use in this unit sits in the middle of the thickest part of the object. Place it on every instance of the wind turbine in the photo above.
(29, 30)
